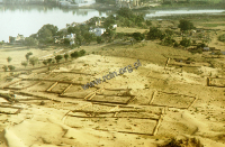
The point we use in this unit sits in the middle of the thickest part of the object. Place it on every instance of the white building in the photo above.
(71, 37)
(98, 31)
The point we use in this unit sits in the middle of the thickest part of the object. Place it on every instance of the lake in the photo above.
(28, 21)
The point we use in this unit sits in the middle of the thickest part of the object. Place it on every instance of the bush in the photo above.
(221, 38)
(49, 60)
(194, 42)
(185, 25)
(218, 53)
(120, 35)
(148, 22)
(45, 62)
(66, 56)
(138, 36)
(194, 51)
(11, 67)
(5, 68)
(176, 44)
(58, 58)
(154, 33)
(201, 45)
(33, 61)
(168, 41)
(29, 41)
(169, 32)
(75, 54)
(99, 40)
(185, 42)
(82, 52)
(24, 63)
(66, 41)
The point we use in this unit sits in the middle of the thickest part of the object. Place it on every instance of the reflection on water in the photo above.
(181, 12)
(30, 19)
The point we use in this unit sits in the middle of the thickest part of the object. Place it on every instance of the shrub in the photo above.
(154, 33)
(24, 63)
(45, 62)
(221, 38)
(29, 41)
(28, 55)
(99, 40)
(120, 35)
(194, 51)
(185, 42)
(58, 58)
(218, 53)
(11, 67)
(49, 60)
(201, 45)
(9, 59)
(66, 41)
(194, 42)
(169, 32)
(82, 52)
(66, 56)
(168, 41)
(138, 36)
(33, 61)
(148, 22)
(186, 25)
(5, 68)
(75, 54)
(176, 44)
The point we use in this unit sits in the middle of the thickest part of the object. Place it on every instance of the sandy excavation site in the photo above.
(156, 105)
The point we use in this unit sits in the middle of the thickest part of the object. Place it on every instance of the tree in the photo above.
(125, 12)
(222, 38)
(110, 33)
(185, 42)
(24, 63)
(82, 52)
(28, 55)
(75, 54)
(11, 67)
(33, 61)
(5, 68)
(49, 61)
(66, 41)
(66, 56)
(58, 58)
(9, 59)
(168, 41)
(138, 36)
(109, 21)
(73, 29)
(139, 19)
(154, 33)
(45, 62)
(46, 33)
(185, 25)
(169, 32)
(79, 39)
(88, 37)
(99, 39)
(148, 22)
(29, 41)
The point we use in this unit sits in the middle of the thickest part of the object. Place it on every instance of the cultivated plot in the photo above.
(172, 100)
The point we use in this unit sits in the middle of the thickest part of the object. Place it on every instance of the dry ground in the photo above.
(166, 106)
